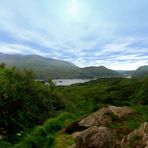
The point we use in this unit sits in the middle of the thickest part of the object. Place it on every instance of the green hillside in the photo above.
(141, 71)
(101, 71)
(46, 68)
(34, 115)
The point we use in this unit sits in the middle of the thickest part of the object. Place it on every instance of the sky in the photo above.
(113, 33)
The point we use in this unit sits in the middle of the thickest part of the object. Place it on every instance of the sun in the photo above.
(73, 8)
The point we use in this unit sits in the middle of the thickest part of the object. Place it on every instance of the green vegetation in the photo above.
(44, 136)
(24, 102)
(33, 114)
(116, 91)
(63, 140)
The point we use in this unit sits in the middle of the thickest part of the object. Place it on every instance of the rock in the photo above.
(101, 117)
(120, 111)
(137, 139)
(73, 146)
(75, 135)
(105, 116)
(93, 131)
(95, 137)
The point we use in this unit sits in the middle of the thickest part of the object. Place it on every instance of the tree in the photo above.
(24, 102)
(2, 65)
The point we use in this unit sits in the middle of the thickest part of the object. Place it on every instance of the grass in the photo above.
(63, 141)
(44, 136)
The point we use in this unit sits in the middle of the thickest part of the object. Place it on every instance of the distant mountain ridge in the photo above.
(142, 71)
(51, 68)
(93, 71)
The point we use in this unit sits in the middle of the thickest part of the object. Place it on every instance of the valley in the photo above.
(73, 73)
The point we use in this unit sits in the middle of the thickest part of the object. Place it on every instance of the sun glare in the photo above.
(73, 8)
(74, 1)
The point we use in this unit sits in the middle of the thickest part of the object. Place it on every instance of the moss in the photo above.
(116, 125)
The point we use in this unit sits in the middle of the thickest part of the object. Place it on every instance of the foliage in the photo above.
(33, 114)
(44, 136)
(4, 144)
(114, 91)
(24, 102)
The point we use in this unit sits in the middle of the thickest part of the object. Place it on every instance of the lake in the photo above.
(66, 82)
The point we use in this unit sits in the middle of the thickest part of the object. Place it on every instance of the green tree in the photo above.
(24, 102)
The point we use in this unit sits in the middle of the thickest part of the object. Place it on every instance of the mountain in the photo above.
(141, 71)
(100, 71)
(51, 68)
(44, 67)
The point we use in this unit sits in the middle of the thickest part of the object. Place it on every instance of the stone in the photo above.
(137, 139)
(105, 116)
(95, 137)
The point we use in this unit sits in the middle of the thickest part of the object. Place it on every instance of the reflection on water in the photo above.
(66, 82)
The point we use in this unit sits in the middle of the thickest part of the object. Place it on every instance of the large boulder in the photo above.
(99, 130)
(120, 111)
(137, 139)
(105, 116)
(95, 137)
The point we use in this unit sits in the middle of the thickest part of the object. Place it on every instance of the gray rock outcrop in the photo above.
(95, 137)
(137, 139)
(96, 131)
(104, 116)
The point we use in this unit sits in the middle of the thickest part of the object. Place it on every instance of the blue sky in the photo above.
(113, 33)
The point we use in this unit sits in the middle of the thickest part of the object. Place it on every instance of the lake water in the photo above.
(66, 82)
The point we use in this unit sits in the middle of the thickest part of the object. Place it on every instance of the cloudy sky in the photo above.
(113, 33)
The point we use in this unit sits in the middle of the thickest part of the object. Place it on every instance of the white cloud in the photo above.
(89, 39)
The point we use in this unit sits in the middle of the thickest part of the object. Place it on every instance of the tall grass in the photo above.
(43, 136)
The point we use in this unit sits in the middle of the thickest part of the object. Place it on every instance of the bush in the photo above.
(24, 102)
(44, 136)
(4, 144)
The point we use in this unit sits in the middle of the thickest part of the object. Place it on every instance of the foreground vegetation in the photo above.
(33, 114)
